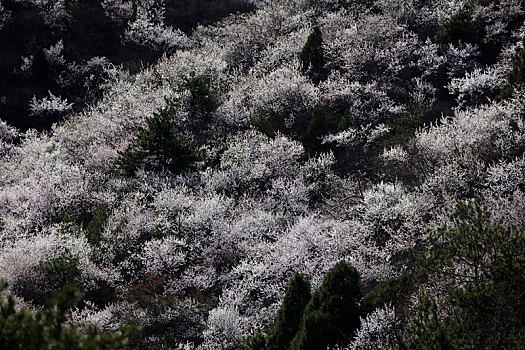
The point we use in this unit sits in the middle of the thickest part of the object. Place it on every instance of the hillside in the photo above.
(309, 174)
(86, 35)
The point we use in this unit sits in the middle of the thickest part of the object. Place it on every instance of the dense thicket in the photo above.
(48, 328)
(335, 173)
(91, 33)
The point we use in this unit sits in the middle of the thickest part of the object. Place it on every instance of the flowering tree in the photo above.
(49, 106)
(363, 165)
(148, 28)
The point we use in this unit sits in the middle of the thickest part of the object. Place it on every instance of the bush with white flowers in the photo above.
(49, 105)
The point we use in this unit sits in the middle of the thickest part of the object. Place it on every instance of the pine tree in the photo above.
(289, 315)
(317, 127)
(459, 28)
(159, 147)
(488, 299)
(333, 314)
(312, 57)
(202, 100)
(395, 291)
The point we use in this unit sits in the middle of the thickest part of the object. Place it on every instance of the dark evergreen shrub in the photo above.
(312, 57)
(333, 314)
(40, 67)
(202, 101)
(290, 314)
(96, 225)
(159, 147)
(459, 28)
(318, 127)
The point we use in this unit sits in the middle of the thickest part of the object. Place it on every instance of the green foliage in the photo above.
(96, 225)
(312, 58)
(159, 147)
(68, 219)
(60, 271)
(345, 122)
(167, 342)
(48, 276)
(459, 28)
(316, 332)
(289, 315)
(56, 273)
(202, 101)
(491, 302)
(48, 329)
(394, 291)
(488, 248)
(482, 265)
(256, 342)
(329, 317)
(516, 77)
(403, 128)
(264, 124)
(317, 127)
(505, 93)
(333, 315)
(428, 330)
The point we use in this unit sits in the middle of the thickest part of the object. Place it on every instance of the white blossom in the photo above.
(54, 54)
(49, 105)
(477, 86)
(461, 58)
(5, 16)
(376, 330)
(118, 10)
(26, 66)
(148, 29)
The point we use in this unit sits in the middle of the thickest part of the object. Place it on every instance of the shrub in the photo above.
(202, 101)
(158, 147)
(402, 128)
(96, 225)
(516, 76)
(333, 315)
(40, 67)
(55, 273)
(48, 328)
(64, 268)
(290, 314)
(264, 124)
(312, 58)
(344, 123)
(459, 28)
(318, 127)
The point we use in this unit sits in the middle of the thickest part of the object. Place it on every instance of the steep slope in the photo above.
(302, 169)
